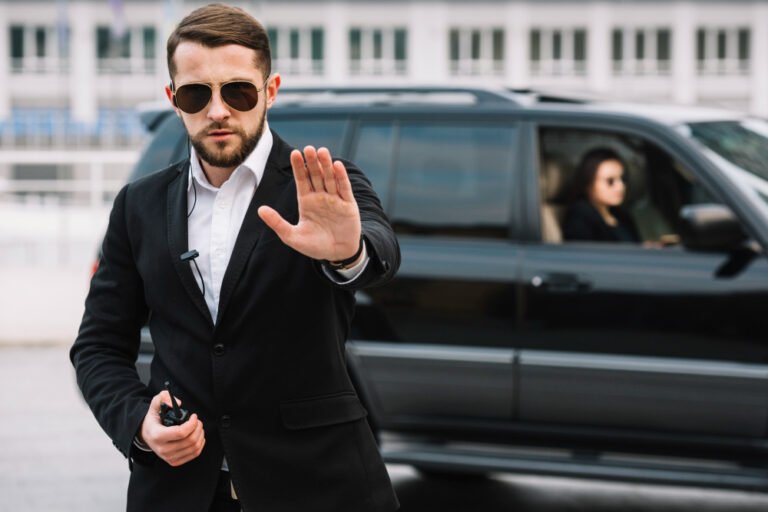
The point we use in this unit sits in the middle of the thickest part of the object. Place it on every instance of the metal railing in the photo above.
(45, 128)
(91, 186)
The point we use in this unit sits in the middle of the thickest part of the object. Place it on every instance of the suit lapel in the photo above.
(277, 174)
(178, 240)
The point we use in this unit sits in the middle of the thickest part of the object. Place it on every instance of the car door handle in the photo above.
(561, 282)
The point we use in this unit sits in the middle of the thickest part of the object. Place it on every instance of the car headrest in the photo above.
(552, 178)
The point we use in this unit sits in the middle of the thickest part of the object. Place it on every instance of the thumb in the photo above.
(276, 222)
(163, 397)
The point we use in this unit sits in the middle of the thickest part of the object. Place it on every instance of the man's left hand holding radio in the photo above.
(176, 445)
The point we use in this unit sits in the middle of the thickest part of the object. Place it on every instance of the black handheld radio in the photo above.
(171, 416)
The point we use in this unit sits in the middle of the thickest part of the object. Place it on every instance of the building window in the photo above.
(17, 41)
(558, 51)
(378, 51)
(642, 51)
(33, 49)
(400, 46)
(297, 50)
(723, 50)
(134, 51)
(744, 48)
(476, 51)
(40, 36)
(617, 47)
(150, 42)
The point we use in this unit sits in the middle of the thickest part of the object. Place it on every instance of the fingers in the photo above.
(163, 397)
(177, 444)
(180, 444)
(303, 184)
(314, 171)
(188, 455)
(342, 180)
(177, 433)
(326, 168)
(180, 452)
(314, 168)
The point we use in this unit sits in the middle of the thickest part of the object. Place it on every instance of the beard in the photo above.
(220, 155)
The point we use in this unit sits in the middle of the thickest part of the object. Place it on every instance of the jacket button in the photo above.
(218, 349)
(226, 421)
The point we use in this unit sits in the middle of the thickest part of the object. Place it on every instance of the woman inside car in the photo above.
(597, 192)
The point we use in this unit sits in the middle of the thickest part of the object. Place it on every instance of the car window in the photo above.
(657, 186)
(167, 145)
(373, 153)
(301, 132)
(454, 179)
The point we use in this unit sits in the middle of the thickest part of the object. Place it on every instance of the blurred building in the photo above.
(73, 71)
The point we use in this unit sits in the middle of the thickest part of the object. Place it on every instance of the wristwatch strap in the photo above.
(336, 265)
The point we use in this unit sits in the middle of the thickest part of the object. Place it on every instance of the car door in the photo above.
(434, 345)
(637, 338)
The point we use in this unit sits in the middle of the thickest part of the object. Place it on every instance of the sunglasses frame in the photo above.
(213, 88)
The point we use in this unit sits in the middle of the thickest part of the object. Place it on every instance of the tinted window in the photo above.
(319, 133)
(167, 146)
(373, 154)
(454, 180)
(657, 186)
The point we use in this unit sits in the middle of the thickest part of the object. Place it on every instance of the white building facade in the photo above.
(84, 57)
(73, 71)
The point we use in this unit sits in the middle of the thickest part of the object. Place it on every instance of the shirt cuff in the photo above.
(347, 275)
(141, 446)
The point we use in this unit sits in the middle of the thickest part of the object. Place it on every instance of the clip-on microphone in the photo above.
(189, 255)
(171, 416)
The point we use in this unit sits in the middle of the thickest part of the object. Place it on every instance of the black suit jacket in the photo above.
(268, 379)
(584, 222)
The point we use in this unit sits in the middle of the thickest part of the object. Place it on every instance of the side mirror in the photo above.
(710, 227)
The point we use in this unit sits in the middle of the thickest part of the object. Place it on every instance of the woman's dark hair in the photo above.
(219, 25)
(587, 169)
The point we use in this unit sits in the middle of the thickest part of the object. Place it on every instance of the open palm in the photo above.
(329, 220)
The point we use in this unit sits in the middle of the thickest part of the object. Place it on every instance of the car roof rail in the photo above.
(532, 95)
(394, 96)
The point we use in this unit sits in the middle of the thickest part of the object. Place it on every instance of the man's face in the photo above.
(222, 135)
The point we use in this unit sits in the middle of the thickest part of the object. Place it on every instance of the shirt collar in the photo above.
(256, 162)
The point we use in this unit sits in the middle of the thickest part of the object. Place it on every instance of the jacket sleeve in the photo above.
(107, 345)
(381, 243)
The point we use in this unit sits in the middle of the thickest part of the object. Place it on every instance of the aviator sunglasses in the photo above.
(238, 94)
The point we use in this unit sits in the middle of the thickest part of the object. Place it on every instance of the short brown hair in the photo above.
(218, 25)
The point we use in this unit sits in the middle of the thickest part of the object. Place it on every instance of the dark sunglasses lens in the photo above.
(242, 96)
(193, 98)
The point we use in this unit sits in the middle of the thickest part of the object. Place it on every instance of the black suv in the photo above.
(500, 347)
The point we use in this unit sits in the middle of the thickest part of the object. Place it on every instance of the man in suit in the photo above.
(250, 330)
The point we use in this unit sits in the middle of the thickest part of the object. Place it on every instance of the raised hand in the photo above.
(329, 220)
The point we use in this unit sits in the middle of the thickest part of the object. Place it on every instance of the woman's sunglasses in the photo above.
(240, 95)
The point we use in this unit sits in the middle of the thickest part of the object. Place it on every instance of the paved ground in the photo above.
(53, 455)
(55, 458)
